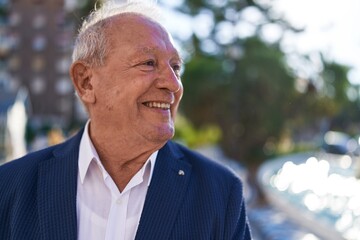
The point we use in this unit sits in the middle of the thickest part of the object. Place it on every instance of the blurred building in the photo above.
(35, 51)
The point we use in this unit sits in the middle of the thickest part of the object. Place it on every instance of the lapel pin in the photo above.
(181, 173)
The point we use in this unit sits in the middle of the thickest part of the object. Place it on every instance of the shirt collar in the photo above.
(87, 153)
(152, 160)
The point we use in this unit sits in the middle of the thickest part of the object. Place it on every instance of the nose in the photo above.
(168, 79)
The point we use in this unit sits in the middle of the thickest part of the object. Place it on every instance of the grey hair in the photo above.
(92, 43)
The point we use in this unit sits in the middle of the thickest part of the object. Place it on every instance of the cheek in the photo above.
(108, 100)
(109, 107)
(178, 97)
(179, 94)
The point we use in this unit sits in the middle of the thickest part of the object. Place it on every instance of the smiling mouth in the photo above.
(159, 105)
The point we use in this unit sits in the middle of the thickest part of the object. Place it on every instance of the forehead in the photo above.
(139, 33)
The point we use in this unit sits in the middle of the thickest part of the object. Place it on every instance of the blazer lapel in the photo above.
(57, 186)
(165, 194)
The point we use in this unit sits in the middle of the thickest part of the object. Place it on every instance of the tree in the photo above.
(243, 83)
(337, 87)
(248, 97)
(240, 83)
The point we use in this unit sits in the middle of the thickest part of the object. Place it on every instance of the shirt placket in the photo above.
(116, 225)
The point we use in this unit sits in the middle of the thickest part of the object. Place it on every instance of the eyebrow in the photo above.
(153, 50)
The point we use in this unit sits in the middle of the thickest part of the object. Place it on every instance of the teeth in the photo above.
(158, 105)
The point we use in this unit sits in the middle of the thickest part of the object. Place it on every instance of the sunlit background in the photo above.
(272, 88)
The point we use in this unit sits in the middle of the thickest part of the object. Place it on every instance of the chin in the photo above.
(162, 134)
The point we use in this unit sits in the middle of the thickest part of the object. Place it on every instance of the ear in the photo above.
(81, 76)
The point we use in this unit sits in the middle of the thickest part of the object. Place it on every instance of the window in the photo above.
(63, 86)
(63, 64)
(14, 63)
(38, 85)
(14, 19)
(39, 43)
(38, 64)
(39, 21)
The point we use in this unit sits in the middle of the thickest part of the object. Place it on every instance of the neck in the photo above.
(122, 157)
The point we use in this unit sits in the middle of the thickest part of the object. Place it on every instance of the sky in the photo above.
(331, 27)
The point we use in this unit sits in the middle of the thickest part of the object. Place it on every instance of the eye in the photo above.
(177, 68)
(149, 63)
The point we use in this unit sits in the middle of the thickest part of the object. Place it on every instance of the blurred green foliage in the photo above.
(194, 137)
(246, 88)
(250, 102)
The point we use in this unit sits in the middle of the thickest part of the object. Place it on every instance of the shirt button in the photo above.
(119, 201)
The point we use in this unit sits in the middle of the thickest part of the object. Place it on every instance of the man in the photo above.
(121, 177)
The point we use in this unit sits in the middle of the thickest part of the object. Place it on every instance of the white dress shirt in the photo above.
(103, 212)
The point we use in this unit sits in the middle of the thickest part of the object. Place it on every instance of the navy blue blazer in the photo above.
(38, 197)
